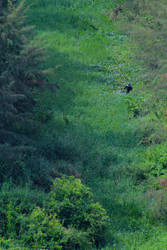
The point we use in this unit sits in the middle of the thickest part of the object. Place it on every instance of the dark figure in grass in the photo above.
(128, 88)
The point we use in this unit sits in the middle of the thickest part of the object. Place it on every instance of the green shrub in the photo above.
(44, 230)
(133, 105)
(11, 244)
(16, 202)
(73, 203)
(70, 219)
(155, 163)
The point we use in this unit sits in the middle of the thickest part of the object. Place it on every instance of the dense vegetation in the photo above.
(83, 165)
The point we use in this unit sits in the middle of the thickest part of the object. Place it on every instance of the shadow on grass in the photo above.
(70, 75)
(61, 18)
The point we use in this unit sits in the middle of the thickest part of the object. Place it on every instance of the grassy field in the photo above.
(91, 60)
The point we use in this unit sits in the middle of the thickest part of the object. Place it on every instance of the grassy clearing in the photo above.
(90, 61)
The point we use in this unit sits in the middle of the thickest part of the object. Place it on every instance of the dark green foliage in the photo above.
(19, 74)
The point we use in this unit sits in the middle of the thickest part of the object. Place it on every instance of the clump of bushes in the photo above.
(68, 219)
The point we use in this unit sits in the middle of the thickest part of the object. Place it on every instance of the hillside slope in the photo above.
(94, 61)
(93, 130)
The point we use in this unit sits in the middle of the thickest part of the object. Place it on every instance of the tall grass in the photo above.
(94, 131)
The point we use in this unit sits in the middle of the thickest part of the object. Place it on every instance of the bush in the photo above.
(73, 203)
(133, 105)
(46, 231)
(43, 231)
(70, 219)
(16, 202)
(155, 163)
(11, 244)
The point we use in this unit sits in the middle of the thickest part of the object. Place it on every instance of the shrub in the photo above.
(11, 244)
(16, 202)
(44, 230)
(73, 203)
(70, 219)
(133, 105)
(155, 161)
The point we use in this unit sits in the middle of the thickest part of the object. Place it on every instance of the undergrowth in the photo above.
(112, 141)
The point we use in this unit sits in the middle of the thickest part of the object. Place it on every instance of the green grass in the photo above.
(91, 60)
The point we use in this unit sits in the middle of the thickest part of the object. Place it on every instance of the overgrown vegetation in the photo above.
(67, 218)
(64, 113)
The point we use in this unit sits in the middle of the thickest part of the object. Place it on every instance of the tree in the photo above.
(20, 73)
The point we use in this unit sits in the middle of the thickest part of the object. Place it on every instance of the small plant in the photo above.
(133, 105)
(155, 161)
